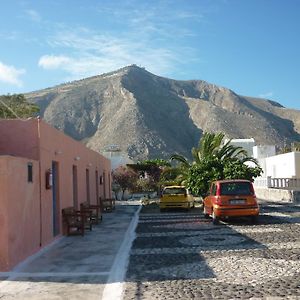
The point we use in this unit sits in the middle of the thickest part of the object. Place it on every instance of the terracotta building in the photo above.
(42, 171)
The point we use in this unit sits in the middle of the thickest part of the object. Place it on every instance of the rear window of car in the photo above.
(174, 191)
(236, 188)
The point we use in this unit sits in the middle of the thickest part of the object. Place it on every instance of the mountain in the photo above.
(151, 116)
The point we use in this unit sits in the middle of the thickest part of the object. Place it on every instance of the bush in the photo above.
(208, 170)
(202, 174)
(234, 169)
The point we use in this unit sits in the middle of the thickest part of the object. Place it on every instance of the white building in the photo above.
(285, 165)
(263, 151)
(247, 144)
(281, 178)
(116, 156)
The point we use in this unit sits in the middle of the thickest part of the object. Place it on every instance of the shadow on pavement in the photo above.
(169, 245)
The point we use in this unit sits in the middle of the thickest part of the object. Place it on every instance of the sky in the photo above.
(249, 46)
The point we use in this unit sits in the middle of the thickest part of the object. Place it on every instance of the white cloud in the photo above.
(266, 95)
(49, 62)
(33, 15)
(11, 75)
(90, 54)
(142, 34)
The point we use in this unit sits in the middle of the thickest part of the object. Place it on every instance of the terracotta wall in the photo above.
(32, 204)
(19, 212)
(4, 263)
(57, 147)
(19, 138)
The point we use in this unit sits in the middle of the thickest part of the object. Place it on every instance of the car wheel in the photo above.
(254, 219)
(206, 215)
(215, 219)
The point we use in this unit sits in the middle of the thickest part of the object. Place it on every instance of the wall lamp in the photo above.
(58, 152)
(77, 158)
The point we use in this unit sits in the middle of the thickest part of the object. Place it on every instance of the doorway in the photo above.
(88, 185)
(75, 187)
(104, 185)
(55, 198)
(97, 187)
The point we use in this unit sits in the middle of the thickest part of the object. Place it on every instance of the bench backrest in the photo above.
(68, 211)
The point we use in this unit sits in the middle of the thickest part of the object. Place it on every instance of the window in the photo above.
(29, 172)
(174, 191)
(236, 188)
(214, 190)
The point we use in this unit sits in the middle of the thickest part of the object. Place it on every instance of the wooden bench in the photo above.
(76, 221)
(93, 209)
(108, 205)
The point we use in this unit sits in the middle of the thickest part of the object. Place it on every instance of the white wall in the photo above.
(117, 159)
(263, 164)
(297, 163)
(247, 144)
(263, 151)
(282, 166)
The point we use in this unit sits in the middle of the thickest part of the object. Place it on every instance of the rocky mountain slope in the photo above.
(151, 116)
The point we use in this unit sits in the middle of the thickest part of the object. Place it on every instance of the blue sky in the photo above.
(249, 46)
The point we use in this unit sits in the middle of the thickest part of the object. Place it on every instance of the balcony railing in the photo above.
(278, 183)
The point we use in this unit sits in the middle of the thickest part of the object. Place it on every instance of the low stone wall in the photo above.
(278, 195)
(296, 197)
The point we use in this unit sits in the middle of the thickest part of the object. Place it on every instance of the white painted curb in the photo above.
(114, 287)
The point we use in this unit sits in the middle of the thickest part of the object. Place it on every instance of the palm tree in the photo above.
(208, 145)
(211, 145)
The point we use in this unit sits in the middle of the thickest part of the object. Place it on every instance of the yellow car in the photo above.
(176, 197)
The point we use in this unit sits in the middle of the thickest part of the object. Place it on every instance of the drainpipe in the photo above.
(40, 176)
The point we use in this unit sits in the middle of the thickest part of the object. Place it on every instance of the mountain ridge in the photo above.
(152, 116)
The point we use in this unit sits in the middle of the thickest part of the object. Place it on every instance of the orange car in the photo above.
(231, 198)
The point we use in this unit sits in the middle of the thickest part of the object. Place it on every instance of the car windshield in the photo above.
(174, 191)
(236, 188)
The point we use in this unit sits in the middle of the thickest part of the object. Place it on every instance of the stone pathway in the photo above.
(90, 267)
(180, 255)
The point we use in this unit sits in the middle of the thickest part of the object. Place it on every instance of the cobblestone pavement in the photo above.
(181, 255)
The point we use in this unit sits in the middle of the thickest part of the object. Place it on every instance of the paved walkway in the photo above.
(174, 255)
(75, 267)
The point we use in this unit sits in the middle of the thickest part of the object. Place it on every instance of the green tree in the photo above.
(213, 160)
(145, 185)
(16, 106)
(202, 174)
(236, 169)
(150, 172)
(210, 145)
(171, 176)
(125, 178)
(295, 146)
(209, 169)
